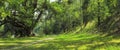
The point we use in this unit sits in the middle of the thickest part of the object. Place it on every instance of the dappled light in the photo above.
(59, 24)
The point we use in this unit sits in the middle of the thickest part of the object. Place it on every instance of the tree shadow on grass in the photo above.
(8, 45)
(77, 43)
(105, 46)
(80, 44)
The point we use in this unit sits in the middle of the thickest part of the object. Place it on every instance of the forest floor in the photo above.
(77, 41)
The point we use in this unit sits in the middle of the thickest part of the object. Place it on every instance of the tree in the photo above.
(23, 20)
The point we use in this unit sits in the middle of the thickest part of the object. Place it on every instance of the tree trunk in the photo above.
(99, 20)
(84, 7)
(35, 4)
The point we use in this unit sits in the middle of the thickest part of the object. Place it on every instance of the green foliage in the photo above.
(65, 15)
(89, 17)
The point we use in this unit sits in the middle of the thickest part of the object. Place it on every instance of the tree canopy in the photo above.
(32, 17)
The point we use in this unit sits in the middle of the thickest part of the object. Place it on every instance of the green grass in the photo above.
(77, 41)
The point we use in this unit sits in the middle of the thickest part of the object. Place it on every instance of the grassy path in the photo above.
(83, 41)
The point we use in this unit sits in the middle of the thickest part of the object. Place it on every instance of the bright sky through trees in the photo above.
(52, 1)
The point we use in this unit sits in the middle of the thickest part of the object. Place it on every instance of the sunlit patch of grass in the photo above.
(115, 41)
(76, 36)
(8, 44)
(38, 45)
(90, 25)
